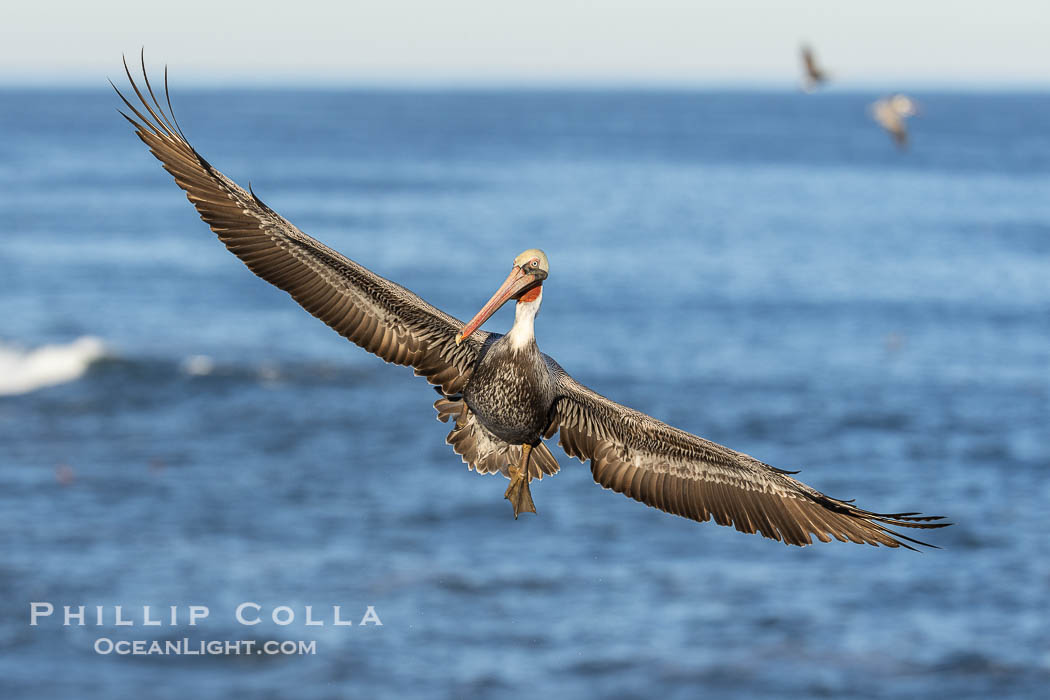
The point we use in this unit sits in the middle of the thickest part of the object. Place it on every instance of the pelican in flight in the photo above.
(891, 113)
(502, 395)
(813, 76)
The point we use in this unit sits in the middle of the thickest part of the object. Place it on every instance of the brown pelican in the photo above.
(891, 113)
(502, 394)
(813, 75)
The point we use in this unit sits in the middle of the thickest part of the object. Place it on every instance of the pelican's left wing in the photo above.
(809, 62)
(382, 317)
(680, 473)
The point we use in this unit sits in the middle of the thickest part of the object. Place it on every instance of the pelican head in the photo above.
(523, 283)
(903, 105)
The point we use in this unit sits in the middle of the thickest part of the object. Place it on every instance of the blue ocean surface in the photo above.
(763, 269)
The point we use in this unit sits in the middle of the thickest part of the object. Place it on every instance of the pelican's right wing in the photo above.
(809, 62)
(380, 316)
(681, 473)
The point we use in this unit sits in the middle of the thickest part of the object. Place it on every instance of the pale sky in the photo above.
(447, 42)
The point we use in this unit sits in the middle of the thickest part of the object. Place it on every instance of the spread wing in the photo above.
(809, 63)
(380, 316)
(680, 473)
(891, 120)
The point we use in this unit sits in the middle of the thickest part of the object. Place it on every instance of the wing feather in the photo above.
(680, 473)
(377, 314)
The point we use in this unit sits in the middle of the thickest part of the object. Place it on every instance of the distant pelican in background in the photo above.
(891, 113)
(503, 395)
(813, 76)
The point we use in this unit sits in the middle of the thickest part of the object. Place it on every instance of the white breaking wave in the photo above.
(198, 365)
(22, 371)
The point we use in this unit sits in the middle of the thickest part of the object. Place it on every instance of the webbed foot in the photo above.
(518, 493)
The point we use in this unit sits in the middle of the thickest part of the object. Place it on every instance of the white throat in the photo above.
(522, 334)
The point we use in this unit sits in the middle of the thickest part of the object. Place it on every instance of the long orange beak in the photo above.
(517, 281)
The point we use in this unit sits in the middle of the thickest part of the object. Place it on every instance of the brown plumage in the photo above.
(892, 114)
(675, 471)
(497, 389)
(813, 75)
(380, 316)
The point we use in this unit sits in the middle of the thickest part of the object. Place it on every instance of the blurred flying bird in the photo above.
(813, 75)
(891, 113)
(501, 393)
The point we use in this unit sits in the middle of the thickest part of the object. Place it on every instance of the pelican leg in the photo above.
(518, 492)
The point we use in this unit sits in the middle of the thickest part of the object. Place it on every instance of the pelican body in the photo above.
(511, 391)
(503, 396)
(892, 114)
(813, 75)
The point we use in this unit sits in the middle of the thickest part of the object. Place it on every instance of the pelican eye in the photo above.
(535, 263)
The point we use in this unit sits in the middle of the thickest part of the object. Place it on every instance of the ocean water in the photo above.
(763, 269)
